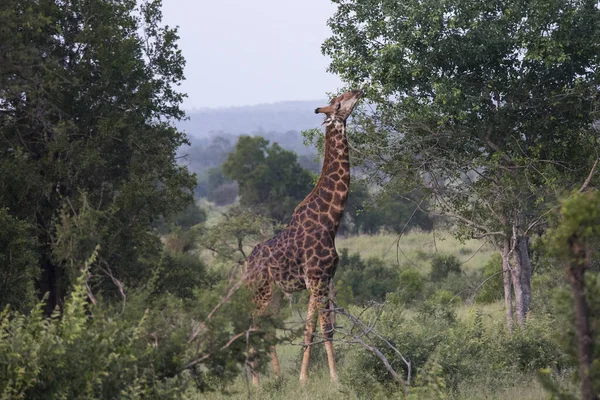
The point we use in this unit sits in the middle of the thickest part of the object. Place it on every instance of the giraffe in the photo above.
(303, 256)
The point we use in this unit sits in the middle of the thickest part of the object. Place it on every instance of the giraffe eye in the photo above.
(338, 106)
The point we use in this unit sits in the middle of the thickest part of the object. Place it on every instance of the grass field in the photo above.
(415, 249)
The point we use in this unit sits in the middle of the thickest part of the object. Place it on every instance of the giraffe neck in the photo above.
(328, 198)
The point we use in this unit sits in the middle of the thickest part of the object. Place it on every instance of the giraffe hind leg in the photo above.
(267, 300)
(275, 306)
(262, 299)
(309, 330)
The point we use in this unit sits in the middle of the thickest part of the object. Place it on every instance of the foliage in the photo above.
(88, 102)
(184, 219)
(492, 289)
(366, 280)
(574, 242)
(447, 354)
(580, 218)
(369, 213)
(270, 179)
(17, 263)
(221, 189)
(444, 265)
(442, 296)
(489, 108)
(229, 239)
(411, 285)
(138, 351)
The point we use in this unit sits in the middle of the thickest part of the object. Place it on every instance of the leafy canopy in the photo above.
(270, 179)
(87, 151)
(487, 105)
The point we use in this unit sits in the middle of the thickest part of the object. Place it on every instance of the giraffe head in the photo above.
(340, 107)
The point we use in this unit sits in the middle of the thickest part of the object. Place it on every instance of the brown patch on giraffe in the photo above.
(310, 242)
(341, 187)
(335, 214)
(326, 195)
(324, 219)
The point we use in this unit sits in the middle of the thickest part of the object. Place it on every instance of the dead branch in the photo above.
(589, 178)
(108, 272)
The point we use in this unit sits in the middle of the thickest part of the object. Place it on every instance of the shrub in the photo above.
(446, 353)
(368, 279)
(442, 296)
(139, 351)
(411, 284)
(192, 215)
(225, 194)
(493, 289)
(442, 266)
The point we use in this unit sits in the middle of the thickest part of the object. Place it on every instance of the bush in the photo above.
(192, 215)
(446, 354)
(181, 274)
(443, 297)
(368, 279)
(442, 266)
(411, 284)
(225, 194)
(493, 289)
(94, 351)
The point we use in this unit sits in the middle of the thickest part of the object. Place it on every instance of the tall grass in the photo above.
(416, 248)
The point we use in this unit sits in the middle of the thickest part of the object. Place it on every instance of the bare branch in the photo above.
(589, 178)
(196, 331)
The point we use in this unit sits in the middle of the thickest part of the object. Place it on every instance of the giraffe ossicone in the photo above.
(302, 256)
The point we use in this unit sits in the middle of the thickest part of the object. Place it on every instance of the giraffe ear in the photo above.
(338, 106)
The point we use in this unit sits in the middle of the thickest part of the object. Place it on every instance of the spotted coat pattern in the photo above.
(303, 256)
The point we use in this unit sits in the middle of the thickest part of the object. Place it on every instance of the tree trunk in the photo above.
(51, 285)
(576, 274)
(524, 265)
(518, 290)
(506, 274)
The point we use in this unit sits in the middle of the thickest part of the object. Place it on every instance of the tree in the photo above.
(486, 106)
(270, 179)
(575, 242)
(87, 151)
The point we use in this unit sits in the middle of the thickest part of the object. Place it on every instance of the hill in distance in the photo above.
(276, 117)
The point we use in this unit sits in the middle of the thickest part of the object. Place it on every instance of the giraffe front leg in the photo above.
(309, 330)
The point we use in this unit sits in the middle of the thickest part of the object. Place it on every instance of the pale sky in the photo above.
(244, 52)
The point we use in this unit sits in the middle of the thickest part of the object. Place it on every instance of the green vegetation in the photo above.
(488, 108)
(270, 179)
(469, 250)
